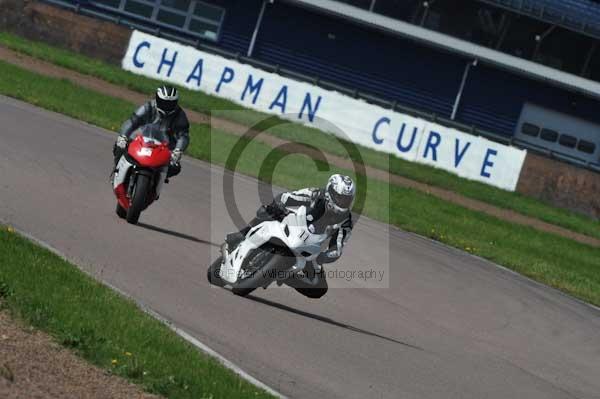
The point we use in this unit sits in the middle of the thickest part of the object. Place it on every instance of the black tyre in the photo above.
(138, 202)
(314, 292)
(121, 212)
(212, 274)
(261, 270)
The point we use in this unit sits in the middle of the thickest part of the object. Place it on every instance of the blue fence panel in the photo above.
(362, 59)
(575, 14)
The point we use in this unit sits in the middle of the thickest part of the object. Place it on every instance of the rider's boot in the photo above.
(232, 240)
(117, 153)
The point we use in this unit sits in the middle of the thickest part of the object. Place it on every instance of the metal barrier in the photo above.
(84, 9)
(580, 15)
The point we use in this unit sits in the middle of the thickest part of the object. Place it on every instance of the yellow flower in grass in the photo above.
(10, 229)
(114, 362)
(128, 354)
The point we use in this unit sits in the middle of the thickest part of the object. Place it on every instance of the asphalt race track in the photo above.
(450, 325)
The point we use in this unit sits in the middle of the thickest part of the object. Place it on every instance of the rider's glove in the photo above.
(121, 142)
(276, 209)
(175, 156)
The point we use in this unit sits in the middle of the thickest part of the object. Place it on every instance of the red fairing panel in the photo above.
(149, 155)
(121, 193)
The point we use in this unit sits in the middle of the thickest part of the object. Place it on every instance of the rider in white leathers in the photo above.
(327, 211)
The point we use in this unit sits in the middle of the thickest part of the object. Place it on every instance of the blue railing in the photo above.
(578, 15)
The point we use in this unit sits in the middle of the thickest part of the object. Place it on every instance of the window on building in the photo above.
(181, 5)
(208, 12)
(171, 18)
(206, 20)
(138, 8)
(586, 146)
(567, 140)
(110, 3)
(203, 28)
(530, 129)
(549, 135)
(191, 16)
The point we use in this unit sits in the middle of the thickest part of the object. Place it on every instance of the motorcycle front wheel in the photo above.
(212, 274)
(138, 202)
(121, 212)
(261, 269)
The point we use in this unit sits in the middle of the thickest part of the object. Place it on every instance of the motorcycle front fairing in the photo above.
(292, 231)
(148, 152)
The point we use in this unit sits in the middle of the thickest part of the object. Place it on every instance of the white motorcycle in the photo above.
(271, 252)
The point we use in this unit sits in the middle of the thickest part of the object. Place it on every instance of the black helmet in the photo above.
(166, 100)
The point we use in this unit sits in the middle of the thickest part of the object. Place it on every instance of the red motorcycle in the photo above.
(141, 172)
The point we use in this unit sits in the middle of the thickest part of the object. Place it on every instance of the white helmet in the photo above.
(167, 98)
(339, 193)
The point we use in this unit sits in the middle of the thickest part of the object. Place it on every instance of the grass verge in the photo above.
(106, 329)
(219, 107)
(556, 261)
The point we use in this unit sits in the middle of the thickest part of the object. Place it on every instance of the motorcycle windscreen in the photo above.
(150, 148)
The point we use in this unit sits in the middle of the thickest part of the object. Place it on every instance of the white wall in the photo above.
(374, 127)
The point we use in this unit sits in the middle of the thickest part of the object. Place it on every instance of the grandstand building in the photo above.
(525, 72)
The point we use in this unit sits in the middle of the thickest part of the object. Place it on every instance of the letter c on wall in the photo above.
(136, 62)
(376, 139)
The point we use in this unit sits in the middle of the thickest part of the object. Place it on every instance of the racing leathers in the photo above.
(176, 126)
(319, 219)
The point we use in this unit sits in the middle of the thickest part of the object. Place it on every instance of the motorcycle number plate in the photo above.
(145, 152)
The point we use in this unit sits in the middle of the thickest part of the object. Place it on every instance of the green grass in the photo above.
(559, 262)
(105, 328)
(221, 108)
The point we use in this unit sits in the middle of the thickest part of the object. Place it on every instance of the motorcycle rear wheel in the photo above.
(138, 202)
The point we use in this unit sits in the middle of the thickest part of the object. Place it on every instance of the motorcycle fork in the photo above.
(160, 178)
(131, 183)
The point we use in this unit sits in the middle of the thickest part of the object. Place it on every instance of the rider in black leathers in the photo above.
(164, 111)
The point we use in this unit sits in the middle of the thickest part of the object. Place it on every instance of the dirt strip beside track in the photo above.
(32, 365)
